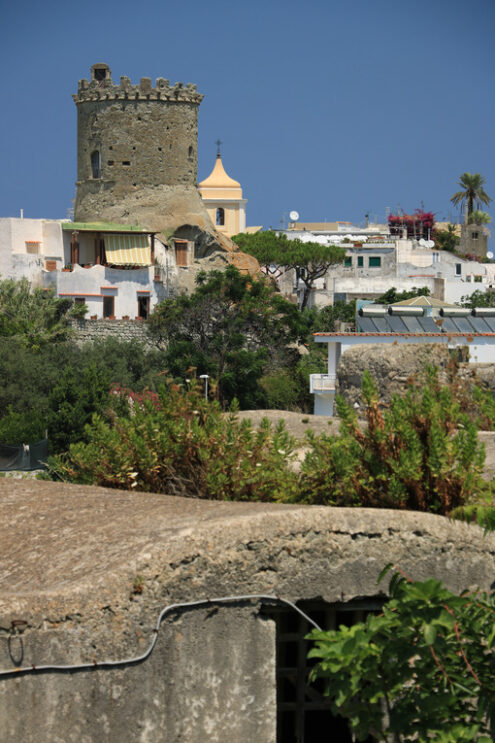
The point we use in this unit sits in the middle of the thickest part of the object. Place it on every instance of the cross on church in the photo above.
(218, 143)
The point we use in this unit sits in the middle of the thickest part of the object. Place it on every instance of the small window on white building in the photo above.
(220, 216)
(32, 246)
(458, 269)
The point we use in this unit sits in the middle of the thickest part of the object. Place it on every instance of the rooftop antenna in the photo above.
(218, 143)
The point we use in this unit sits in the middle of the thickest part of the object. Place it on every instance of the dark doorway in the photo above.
(108, 306)
(303, 710)
(143, 307)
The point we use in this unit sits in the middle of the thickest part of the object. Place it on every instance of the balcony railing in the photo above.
(322, 382)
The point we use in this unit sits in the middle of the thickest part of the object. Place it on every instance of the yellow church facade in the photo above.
(222, 197)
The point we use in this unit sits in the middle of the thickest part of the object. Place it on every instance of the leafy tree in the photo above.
(421, 454)
(178, 443)
(446, 239)
(233, 327)
(479, 217)
(421, 670)
(479, 299)
(392, 295)
(35, 316)
(266, 246)
(74, 400)
(473, 193)
(59, 386)
(310, 260)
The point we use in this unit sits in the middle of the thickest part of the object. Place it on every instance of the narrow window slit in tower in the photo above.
(96, 164)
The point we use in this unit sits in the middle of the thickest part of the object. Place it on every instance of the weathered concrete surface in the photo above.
(72, 557)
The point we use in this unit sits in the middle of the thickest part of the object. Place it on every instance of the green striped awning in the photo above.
(127, 250)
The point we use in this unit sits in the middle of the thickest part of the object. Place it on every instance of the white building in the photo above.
(377, 261)
(118, 271)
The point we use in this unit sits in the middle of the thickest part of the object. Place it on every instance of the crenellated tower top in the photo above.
(101, 87)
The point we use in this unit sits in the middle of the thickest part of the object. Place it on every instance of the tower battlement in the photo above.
(107, 90)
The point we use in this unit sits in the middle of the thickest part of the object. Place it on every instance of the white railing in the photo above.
(322, 382)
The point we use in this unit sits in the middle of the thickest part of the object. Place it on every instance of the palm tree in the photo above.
(474, 193)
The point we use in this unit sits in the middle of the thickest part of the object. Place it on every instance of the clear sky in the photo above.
(333, 109)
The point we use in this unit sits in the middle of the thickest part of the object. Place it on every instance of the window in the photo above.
(220, 216)
(348, 261)
(360, 261)
(143, 307)
(475, 235)
(32, 246)
(96, 164)
(100, 73)
(303, 711)
(374, 261)
(190, 153)
(478, 279)
(79, 300)
(458, 269)
(108, 306)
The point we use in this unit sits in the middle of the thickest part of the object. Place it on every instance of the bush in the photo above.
(178, 443)
(421, 454)
(22, 428)
(422, 670)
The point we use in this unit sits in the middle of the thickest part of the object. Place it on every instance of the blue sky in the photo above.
(330, 108)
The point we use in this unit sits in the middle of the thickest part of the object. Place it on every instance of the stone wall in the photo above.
(84, 573)
(392, 366)
(86, 331)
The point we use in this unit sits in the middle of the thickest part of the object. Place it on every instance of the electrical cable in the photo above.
(107, 664)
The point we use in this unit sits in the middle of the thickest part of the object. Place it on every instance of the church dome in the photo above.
(219, 180)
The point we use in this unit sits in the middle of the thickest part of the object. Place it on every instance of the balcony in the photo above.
(322, 383)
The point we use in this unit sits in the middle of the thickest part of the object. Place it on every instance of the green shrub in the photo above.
(178, 443)
(281, 391)
(22, 428)
(420, 671)
(422, 453)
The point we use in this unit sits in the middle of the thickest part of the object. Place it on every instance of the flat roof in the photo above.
(103, 227)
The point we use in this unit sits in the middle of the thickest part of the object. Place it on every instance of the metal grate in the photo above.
(303, 711)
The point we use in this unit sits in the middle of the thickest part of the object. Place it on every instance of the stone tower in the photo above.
(137, 152)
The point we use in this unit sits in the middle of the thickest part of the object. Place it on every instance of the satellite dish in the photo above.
(294, 216)
(489, 254)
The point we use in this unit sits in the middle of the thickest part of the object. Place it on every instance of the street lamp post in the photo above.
(205, 377)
